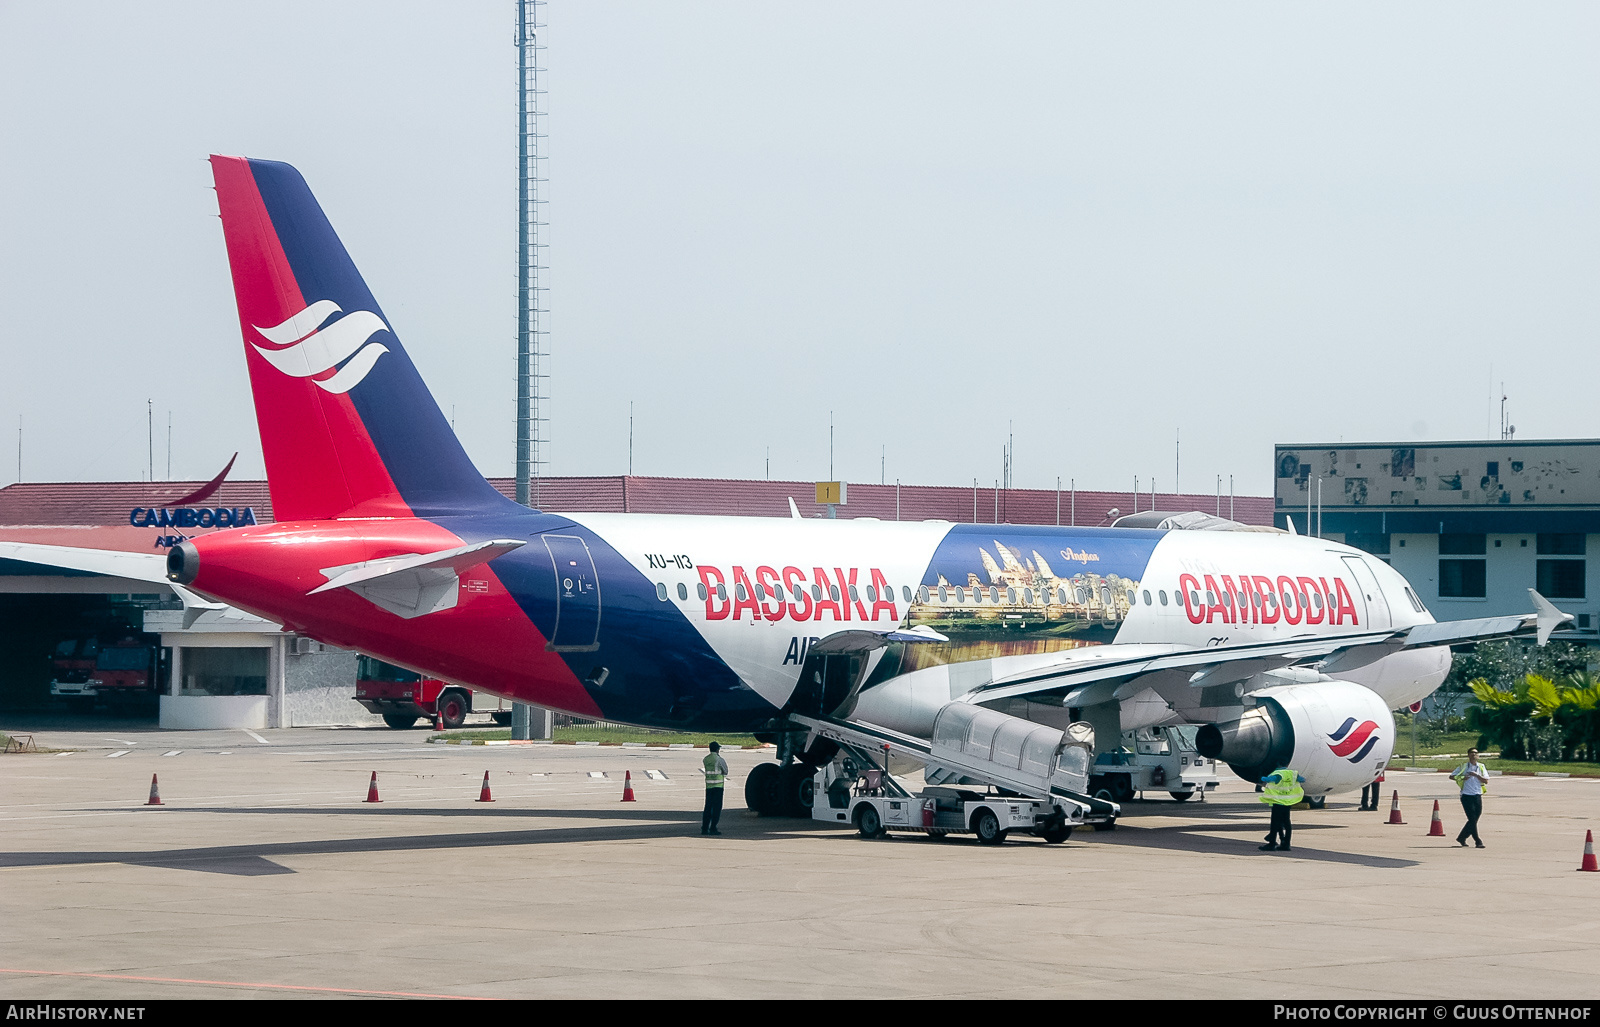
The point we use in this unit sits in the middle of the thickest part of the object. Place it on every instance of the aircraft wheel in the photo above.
(1121, 787)
(761, 788)
(1181, 796)
(400, 721)
(1317, 802)
(796, 790)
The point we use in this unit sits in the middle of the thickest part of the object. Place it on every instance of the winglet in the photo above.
(1290, 519)
(794, 511)
(1548, 617)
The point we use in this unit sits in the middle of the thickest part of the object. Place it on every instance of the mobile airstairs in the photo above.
(1035, 777)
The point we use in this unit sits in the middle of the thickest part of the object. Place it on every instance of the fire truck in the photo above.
(402, 697)
(120, 675)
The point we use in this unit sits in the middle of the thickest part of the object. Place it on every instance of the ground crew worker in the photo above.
(1281, 790)
(1473, 780)
(716, 770)
(1369, 793)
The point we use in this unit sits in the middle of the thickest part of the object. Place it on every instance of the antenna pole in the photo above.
(531, 336)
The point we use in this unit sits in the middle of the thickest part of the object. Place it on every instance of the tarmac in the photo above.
(265, 874)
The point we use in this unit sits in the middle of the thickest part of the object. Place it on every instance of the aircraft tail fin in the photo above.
(347, 426)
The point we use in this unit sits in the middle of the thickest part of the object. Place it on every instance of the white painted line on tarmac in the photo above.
(121, 741)
(119, 752)
(257, 737)
(656, 775)
(175, 752)
(67, 753)
(597, 773)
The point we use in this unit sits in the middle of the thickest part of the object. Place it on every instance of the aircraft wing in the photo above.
(1084, 677)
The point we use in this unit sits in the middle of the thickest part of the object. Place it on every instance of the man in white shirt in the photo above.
(1472, 778)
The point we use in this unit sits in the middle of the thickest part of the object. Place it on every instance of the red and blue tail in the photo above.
(348, 429)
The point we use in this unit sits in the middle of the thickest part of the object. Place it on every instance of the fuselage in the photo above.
(706, 622)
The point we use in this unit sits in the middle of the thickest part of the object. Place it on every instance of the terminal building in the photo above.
(1472, 525)
(229, 669)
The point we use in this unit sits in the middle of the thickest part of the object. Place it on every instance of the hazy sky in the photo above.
(1255, 223)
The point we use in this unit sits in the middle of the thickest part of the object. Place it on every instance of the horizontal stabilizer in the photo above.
(413, 584)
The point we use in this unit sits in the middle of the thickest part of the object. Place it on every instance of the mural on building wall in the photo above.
(1492, 474)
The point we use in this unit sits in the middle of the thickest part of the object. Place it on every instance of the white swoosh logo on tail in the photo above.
(309, 351)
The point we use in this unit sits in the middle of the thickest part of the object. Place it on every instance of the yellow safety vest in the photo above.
(713, 775)
(1283, 789)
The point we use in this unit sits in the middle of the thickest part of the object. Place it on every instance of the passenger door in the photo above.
(1367, 586)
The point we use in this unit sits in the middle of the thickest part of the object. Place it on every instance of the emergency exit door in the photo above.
(577, 595)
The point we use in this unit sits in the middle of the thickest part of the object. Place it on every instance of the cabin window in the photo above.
(1194, 598)
(661, 591)
(1027, 596)
(1147, 601)
(701, 588)
(924, 592)
(1316, 597)
(761, 590)
(1163, 595)
(961, 594)
(722, 593)
(739, 591)
(1227, 599)
(872, 594)
(683, 591)
(833, 592)
(944, 594)
(1211, 600)
(816, 593)
(855, 597)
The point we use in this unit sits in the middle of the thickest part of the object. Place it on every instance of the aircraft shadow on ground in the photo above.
(1188, 838)
(258, 860)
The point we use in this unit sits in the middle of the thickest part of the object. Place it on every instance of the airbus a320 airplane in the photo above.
(388, 541)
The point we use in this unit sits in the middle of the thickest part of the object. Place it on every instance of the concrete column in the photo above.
(175, 675)
(276, 682)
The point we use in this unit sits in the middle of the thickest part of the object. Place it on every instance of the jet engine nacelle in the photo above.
(1337, 734)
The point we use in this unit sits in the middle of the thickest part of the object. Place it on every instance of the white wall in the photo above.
(1509, 572)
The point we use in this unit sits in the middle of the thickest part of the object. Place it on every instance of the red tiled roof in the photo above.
(109, 503)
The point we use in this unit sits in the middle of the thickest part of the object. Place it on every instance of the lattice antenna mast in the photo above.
(533, 356)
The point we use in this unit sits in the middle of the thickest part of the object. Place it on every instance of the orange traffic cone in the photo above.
(483, 796)
(372, 788)
(438, 722)
(1588, 854)
(627, 786)
(155, 798)
(1436, 829)
(1394, 809)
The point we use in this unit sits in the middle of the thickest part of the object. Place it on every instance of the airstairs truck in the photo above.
(1033, 778)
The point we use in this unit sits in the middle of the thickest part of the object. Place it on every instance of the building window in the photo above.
(1377, 544)
(1560, 579)
(1561, 544)
(224, 671)
(1451, 544)
(1462, 579)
